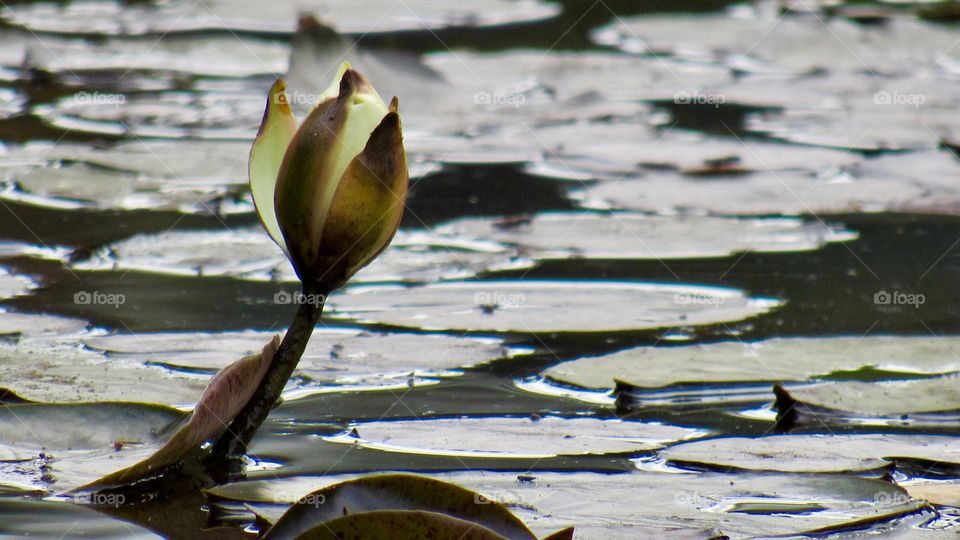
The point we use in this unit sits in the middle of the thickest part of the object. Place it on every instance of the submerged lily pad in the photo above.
(627, 236)
(777, 359)
(811, 453)
(548, 306)
(515, 437)
(687, 506)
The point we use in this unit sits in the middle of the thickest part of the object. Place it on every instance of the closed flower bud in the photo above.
(331, 190)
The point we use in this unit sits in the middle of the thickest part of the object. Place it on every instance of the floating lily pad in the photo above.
(939, 493)
(516, 437)
(116, 18)
(55, 447)
(82, 426)
(763, 193)
(398, 492)
(48, 371)
(210, 55)
(811, 453)
(249, 253)
(691, 506)
(49, 519)
(777, 359)
(343, 356)
(613, 150)
(627, 236)
(766, 41)
(548, 306)
(883, 398)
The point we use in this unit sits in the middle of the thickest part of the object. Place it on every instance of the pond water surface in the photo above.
(627, 222)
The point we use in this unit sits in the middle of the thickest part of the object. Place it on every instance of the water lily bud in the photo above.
(331, 191)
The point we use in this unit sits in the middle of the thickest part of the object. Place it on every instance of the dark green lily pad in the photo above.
(397, 492)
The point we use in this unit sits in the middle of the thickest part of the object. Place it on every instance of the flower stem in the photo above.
(232, 445)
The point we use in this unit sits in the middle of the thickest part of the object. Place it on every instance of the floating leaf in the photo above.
(883, 398)
(55, 372)
(811, 453)
(337, 355)
(515, 437)
(398, 492)
(776, 359)
(548, 306)
(235, 16)
(628, 236)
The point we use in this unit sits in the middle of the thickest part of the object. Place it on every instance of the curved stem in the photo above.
(232, 445)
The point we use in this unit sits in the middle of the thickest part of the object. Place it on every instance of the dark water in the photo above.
(85, 208)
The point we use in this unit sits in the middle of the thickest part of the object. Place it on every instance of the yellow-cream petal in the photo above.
(276, 131)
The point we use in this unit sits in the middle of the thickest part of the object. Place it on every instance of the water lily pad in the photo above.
(762, 193)
(765, 41)
(50, 519)
(883, 398)
(249, 253)
(115, 18)
(939, 493)
(627, 236)
(340, 356)
(49, 371)
(398, 492)
(55, 447)
(515, 437)
(82, 426)
(210, 55)
(811, 453)
(688, 506)
(777, 359)
(547, 306)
